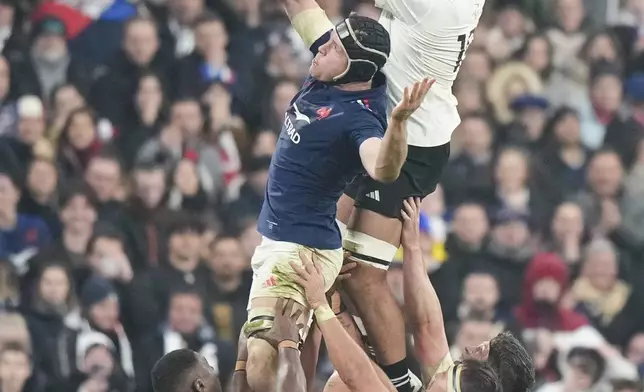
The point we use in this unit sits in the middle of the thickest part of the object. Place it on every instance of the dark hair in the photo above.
(549, 136)
(523, 51)
(79, 189)
(108, 154)
(223, 237)
(511, 362)
(170, 372)
(589, 361)
(479, 376)
(104, 230)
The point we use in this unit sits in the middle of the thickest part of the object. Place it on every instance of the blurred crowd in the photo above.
(135, 138)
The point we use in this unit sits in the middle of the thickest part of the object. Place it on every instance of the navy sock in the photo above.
(398, 374)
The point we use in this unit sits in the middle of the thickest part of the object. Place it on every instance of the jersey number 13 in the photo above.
(465, 40)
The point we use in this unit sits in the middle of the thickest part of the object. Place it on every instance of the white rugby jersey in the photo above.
(429, 38)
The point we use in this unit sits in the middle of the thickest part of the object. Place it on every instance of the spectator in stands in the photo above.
(99, 303)
(515, 191)
(181, 267)
(13, 328)
(12, 43)
(181, 18)
(468, 238)
(78, 213)
(480, 301)
(208, 62)
(185, 328)
(96, 367)
(608, 302)
(528, 127)
(567, 234)
(31, 129)
(607, 209)
(104, 175)
(229, 284)
(50, 63)
(280, 99)
(147, 217)
(112, 93)
(602, 121)
(16, 370)
(469, 332)
(509, 251)
(65, 99)
(107, 258)
(150, 103)
(51, 312)
(563, 160)
(79, 142)
(21, 236)
(473, 162)
(191, 187)
(251, 193)
(40, 193)
(543, 290)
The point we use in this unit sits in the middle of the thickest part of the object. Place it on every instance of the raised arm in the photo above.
(308, 19)
(383, 158)
(347, 357)
(421, 302)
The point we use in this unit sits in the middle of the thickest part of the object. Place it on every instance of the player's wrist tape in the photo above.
(323, 313)
(240, 366)
(289, 344)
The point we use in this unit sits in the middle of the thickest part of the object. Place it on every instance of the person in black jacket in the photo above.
(49, 63)
(185, 328)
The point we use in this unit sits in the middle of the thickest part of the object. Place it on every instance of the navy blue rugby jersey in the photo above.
(317, 155)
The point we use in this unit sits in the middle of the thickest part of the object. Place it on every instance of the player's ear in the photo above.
(198, 385)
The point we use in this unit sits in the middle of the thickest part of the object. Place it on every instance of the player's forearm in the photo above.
(290, 374)
(392, 153)
(308, 19)
(350, 361)
(310, 354)
(421, 302)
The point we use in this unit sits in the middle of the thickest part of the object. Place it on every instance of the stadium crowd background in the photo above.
(134, 154)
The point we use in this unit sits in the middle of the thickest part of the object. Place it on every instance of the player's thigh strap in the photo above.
(369, 250)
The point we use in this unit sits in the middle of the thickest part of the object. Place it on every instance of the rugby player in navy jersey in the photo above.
(333, 131)
(429, 38)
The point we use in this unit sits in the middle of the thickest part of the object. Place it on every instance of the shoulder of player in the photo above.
(360, 113)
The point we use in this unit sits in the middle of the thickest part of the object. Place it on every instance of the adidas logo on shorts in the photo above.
(375, 195)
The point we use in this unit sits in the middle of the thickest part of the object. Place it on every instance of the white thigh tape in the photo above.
(343, 228)
(369, 250)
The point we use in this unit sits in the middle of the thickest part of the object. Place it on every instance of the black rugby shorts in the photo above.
(419, 177)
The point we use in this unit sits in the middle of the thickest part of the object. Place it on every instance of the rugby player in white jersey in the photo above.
(428, 37)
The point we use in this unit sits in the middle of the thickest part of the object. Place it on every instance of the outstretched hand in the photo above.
(410, 237)
(412, 100)
(309, 276)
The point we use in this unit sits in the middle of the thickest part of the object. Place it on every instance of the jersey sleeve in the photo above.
(408, 11)
(314, 27)
(366, 127)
